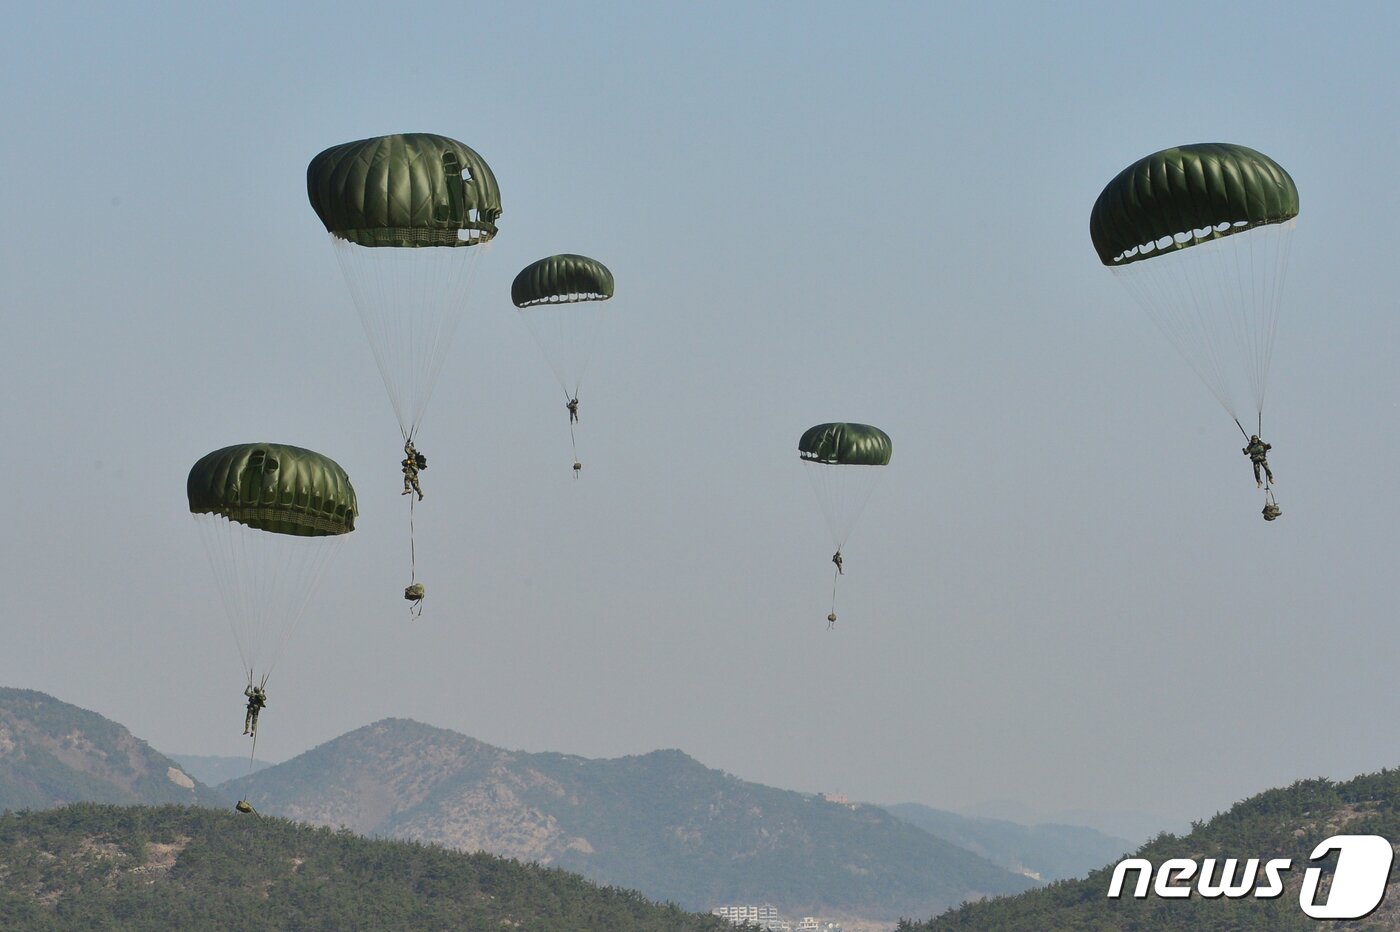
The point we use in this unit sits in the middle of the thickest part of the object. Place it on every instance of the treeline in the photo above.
(174, 867)
(1281, 823)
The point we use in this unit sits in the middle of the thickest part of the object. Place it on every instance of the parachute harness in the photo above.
(266, 580)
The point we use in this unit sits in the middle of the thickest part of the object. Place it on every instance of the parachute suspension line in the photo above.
(564, 331)
(1243, 263)
(1244, 432)
(409, 301)
(266, 582)
(1260, 274)
(1218, 303)
(1283, 237)
(457, 276)
(842, 491)
(1169, 291)
(221, 547)
(314, 560)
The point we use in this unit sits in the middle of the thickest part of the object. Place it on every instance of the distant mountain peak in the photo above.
(660, 822)
(53, 753)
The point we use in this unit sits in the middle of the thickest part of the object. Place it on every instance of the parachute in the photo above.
(272, 518)
(841, 461)
(404, 213)
(559, 298)
(1201, 236)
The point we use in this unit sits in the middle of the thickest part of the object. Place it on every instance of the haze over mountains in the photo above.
(660, 823)
(1045, 852)
(213, 769)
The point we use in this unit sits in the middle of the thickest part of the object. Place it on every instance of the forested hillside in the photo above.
(1281, 823)
(89, 866)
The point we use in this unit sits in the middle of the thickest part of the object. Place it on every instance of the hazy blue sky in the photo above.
(1061, 596)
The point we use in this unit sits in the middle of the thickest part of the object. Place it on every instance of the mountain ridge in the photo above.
(53, 753)
(658, 822)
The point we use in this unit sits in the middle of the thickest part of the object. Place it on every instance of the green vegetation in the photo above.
(174, 867)
(1281, 823)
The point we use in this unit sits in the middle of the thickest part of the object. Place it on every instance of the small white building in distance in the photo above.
(765, 916)
(813, 924)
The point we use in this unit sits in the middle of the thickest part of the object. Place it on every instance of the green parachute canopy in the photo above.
(1188, 195)
(845, 445)
(562, 279)
(274, 487)
(408, 189)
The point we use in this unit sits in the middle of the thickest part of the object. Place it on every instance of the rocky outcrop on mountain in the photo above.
(53, 753)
